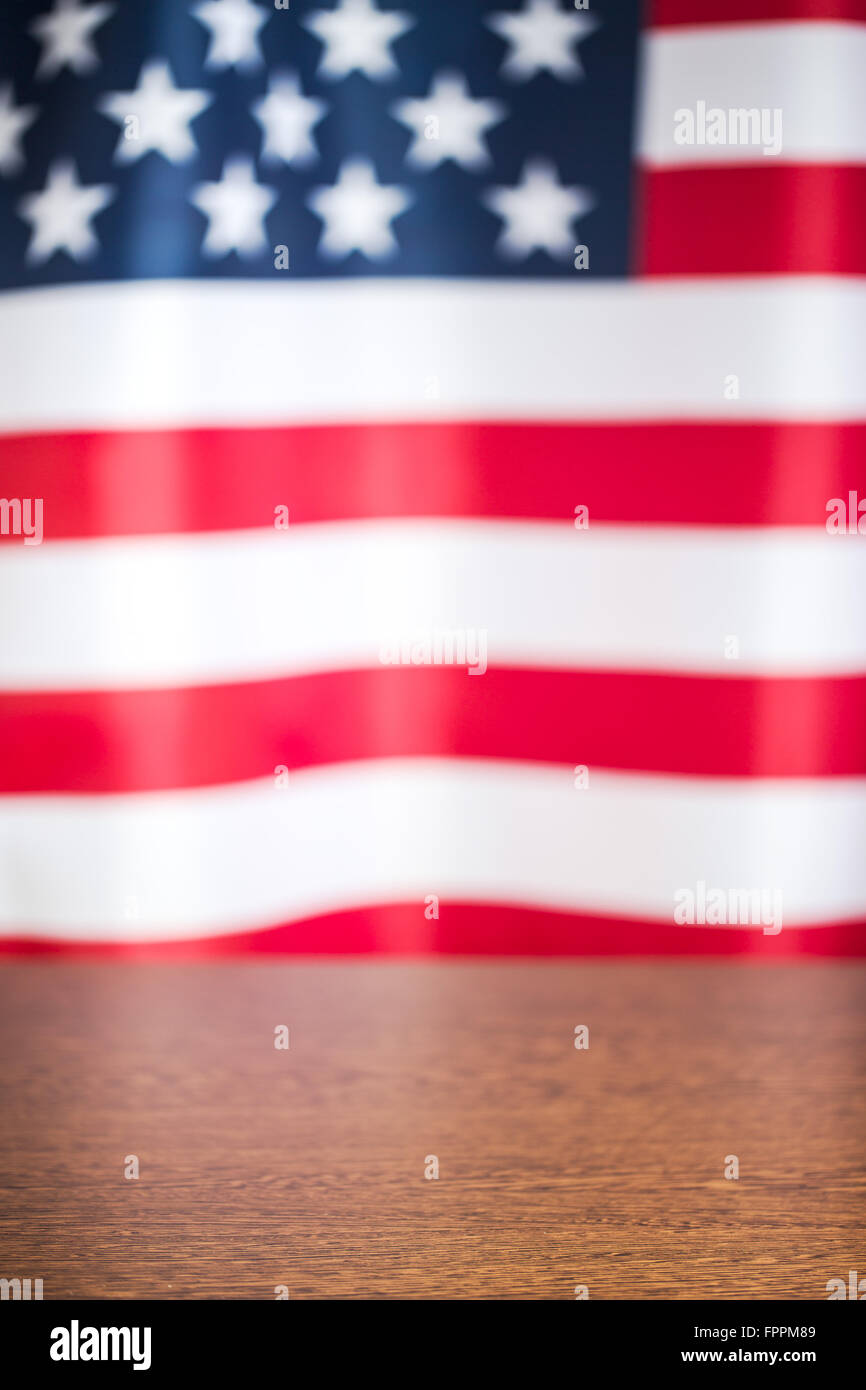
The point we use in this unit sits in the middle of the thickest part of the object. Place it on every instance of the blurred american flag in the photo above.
(418, 458)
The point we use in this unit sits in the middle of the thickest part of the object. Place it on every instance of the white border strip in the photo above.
(813, 73)
(174, 353)
(246, 605)
(188, 864)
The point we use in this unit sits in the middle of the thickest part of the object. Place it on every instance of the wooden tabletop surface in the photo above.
(558, 1167)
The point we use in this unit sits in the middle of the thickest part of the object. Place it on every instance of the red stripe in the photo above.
(802, 219)
(161, 482)
(468, 929)
(662, 12)
(150, 740)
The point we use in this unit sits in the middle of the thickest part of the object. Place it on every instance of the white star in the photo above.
(60, 215)
(357, 36)
(357, 211)
(65, 35)
(234, 27)
(448, 124)
(14, 120)
(236, 208)
(540, 37)
(155, 116)
(539, 212)
(287, 118)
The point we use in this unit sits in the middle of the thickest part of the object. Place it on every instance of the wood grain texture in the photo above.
(305, 1167)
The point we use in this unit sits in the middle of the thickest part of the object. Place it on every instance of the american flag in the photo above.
(431, 452)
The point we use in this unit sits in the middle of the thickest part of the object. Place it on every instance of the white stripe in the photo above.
(187, 353)
(812, 72)
(176, 610)
(191, 863)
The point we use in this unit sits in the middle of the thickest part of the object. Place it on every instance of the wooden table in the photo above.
(305, 1167)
